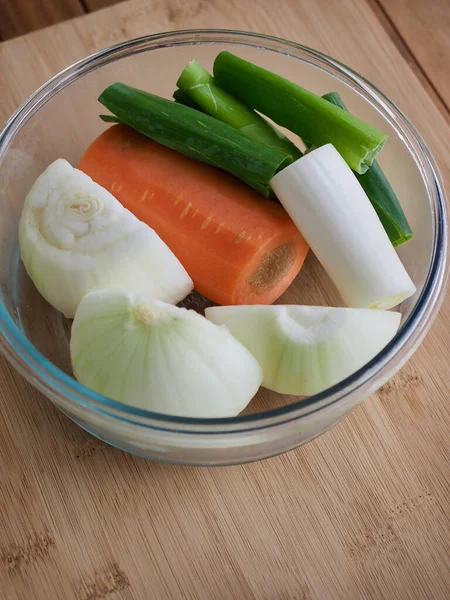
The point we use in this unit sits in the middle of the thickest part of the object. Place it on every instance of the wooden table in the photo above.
(361, 513)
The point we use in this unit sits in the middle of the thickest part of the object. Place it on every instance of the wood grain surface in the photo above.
(363, 512)
(21, 16)
(425, 26)
(97, 4)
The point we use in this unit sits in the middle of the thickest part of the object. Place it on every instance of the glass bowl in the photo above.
(61, 119)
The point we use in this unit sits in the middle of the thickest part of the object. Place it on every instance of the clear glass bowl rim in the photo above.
(49, 379)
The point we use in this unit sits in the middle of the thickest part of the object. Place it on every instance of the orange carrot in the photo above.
(238, 247)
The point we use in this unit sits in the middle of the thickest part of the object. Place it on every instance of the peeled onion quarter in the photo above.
(161, 358)
(76, 237)
(304, 350)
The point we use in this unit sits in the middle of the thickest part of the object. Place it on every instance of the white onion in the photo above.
(76, 237)
(303, 350)
(159, 357)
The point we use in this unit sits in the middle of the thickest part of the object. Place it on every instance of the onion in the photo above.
(159, 357)
(304, 350)
(76, 237)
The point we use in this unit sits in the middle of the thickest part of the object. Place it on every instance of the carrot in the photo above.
(238, 247)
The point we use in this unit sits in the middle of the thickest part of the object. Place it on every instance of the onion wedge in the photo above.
(159, 357)
(304, 350)
(76, 237)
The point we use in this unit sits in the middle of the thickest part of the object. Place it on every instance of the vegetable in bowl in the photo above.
(204, 184)
(311, 117)
(75, 237)
(304, 350)
(326, 201)
(169, 358)
(238, 247)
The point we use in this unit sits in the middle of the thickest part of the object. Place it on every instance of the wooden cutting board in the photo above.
(363, 512)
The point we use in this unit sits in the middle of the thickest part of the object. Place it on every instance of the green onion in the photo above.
(196, 135)
(381, 194)
(182, 98)
(315, 120)
(199, 87)
(110, 119)
(332, 212)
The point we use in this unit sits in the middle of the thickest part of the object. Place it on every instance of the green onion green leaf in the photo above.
(315, 120)
(196, 135)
